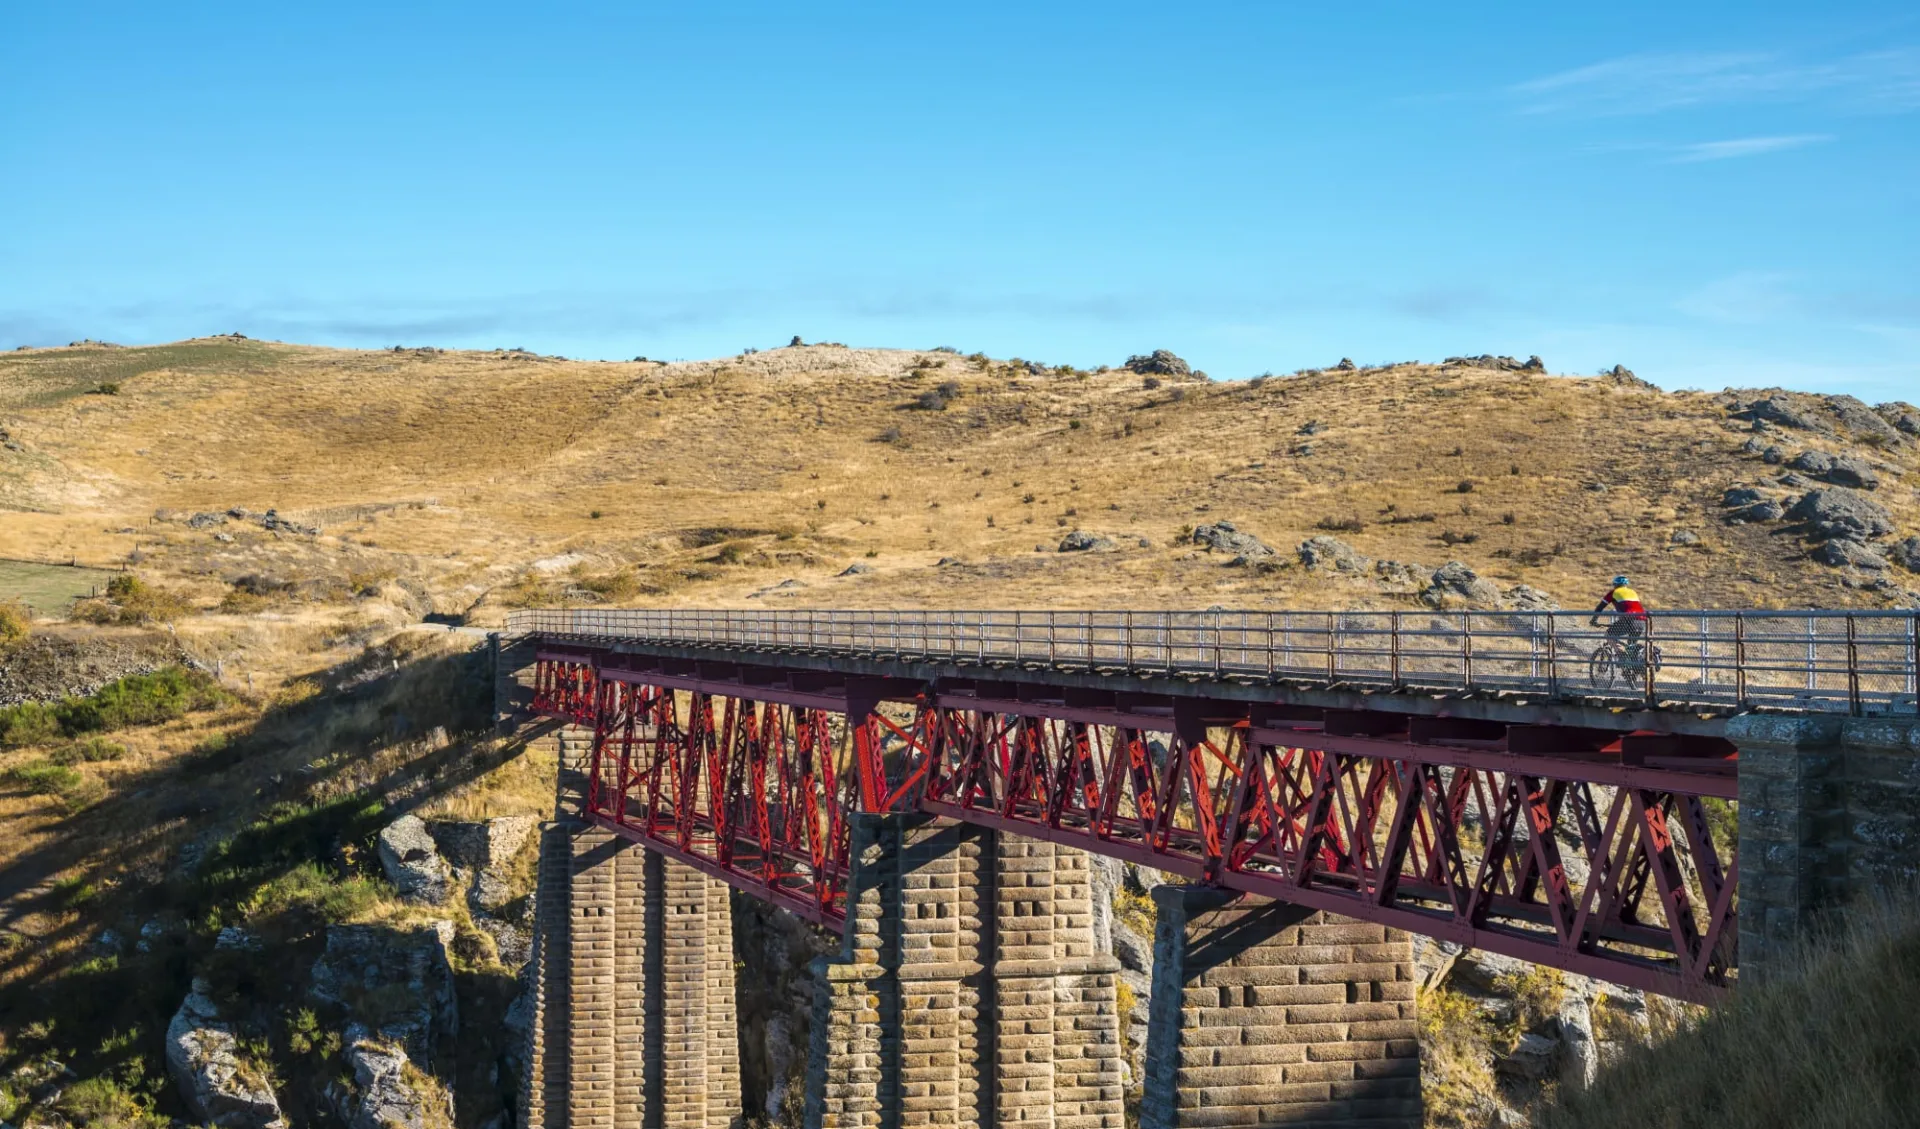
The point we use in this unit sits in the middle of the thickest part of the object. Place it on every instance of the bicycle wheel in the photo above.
(1604, 667)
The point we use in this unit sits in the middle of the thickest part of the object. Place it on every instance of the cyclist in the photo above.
(1630, 617)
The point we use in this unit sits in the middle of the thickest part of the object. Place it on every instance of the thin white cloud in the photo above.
(1877, 82)
(1747, 298)
(1744, 147)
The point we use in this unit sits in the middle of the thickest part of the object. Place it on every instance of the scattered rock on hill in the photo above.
(1454, 584)
(1840, 513)
(1844, 552)
(1840, 470)
(1904, 417)
(1683, 537)
(1346, 364)
(1906, 554)
(1860, 419)
(412, 861)
(856, 569)
(1623, 376)
(1401, 578)
(1224, 537)
(1779, 410)
(206, 520)
(1160, 362)
(1331, 554)
(1497, 363)
(1527, 598)
(1080, 541)
(406, 968)
(218, 1085)
(274, 523)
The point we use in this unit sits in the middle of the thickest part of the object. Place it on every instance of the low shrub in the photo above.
(16, 623)
(92, 750)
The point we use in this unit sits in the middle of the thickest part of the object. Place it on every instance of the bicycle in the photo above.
(1627, 663)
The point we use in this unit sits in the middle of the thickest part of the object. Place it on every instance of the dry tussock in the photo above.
(1831, 1044)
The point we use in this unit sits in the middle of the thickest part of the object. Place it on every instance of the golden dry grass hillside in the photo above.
(467, 482)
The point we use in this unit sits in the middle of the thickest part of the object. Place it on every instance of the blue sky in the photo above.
(1715, 194)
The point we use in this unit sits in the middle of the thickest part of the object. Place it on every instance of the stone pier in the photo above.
(1267, 1014)
(633, 990)
(968, 992)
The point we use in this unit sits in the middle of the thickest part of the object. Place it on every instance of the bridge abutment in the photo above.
(634, 1021)
(1829, 813)
(968, 992)
(1268, 1014)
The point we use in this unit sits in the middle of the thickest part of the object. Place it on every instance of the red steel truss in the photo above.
(1588, 850)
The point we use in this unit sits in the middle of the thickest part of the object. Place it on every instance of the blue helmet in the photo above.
(1619, 581)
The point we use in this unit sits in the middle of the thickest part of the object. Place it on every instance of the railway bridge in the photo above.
(1319, 786)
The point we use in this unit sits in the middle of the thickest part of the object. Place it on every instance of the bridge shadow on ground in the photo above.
(269, 826)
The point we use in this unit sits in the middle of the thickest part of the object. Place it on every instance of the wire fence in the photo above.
(1861, 663)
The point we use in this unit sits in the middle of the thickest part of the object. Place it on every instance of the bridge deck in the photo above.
(1861, 663)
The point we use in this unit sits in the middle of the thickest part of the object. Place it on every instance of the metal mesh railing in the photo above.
(1819, 661)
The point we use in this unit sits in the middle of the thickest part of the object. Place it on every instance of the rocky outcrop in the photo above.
(1330, 554)
(1223, 537)
(412, 862)
(1837, 513)
(389, 1091)
(1906, 554)
(1454, 585)
(484, 849)
(1080, 541)
(1160, 362)
(1839, 470)
(219, 1085)
(398, 982)
(1527, 598)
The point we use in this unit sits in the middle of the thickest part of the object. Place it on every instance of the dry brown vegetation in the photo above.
(468, 481)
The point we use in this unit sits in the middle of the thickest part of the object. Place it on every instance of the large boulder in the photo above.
(485, 848)
(1222, 537)
(1454, 584)
(1738, 496)
(1330, 554)
(412, 861)
(1132, 950)
(1906, 554)
(1400, 577)
(219, 1085)
(1838, 512)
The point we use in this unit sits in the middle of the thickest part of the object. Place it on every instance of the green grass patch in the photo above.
(49, 589)
(138, 699)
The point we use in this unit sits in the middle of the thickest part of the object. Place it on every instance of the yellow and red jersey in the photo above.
(1625, 601)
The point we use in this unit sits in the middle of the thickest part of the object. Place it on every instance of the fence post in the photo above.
(1269, 646)
(1333, 640)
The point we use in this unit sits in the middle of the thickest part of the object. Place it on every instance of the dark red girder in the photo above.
(1586, 851)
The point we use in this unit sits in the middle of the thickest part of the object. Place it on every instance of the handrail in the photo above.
(1852, 662)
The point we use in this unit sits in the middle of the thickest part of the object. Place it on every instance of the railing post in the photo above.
(1053, 643)
(1553, 654)
(1269, 646)
(1853, 669)
(1333, 628)
(1126, 643)
(1646, 666)
(1740, 659)
(1393, 625)
(1466, 648)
